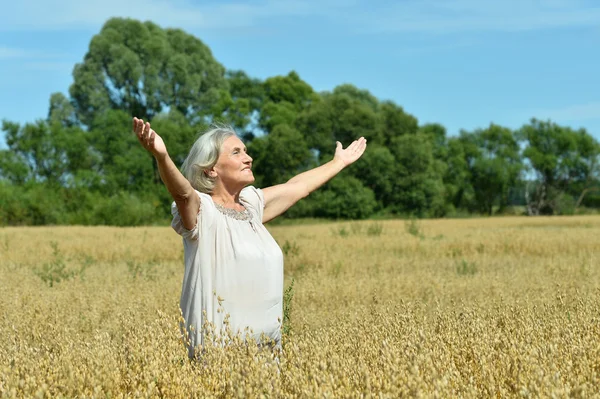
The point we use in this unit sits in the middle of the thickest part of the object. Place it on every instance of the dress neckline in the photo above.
(233, 213)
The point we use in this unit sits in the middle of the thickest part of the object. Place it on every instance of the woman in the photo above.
(232, 264)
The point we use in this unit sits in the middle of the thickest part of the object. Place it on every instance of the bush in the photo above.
(124, 209)
(344, 198)
(564, 204)
(31, 204)
(42, 204)
(12, 209)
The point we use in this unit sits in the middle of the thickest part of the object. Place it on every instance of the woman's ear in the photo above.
(211, 173)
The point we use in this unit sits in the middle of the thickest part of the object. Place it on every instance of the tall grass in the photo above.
(435, 308)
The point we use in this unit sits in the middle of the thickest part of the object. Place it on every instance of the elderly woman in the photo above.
(232, 264)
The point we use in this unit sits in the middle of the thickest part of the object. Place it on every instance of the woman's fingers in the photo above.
(151, 138)
(144, 133)
(352, 146)
(363, 144)
(138, 127)
(357, 145)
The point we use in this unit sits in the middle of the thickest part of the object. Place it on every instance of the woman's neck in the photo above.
(226, 198)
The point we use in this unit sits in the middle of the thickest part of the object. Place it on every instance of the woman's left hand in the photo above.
(352, 152)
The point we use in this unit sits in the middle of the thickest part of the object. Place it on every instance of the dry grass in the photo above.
(470, 308)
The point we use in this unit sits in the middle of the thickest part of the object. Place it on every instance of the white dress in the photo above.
(233, 264)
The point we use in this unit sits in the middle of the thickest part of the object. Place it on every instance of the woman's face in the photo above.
(234, 166)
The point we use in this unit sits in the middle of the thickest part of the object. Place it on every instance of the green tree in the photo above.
(565, 162)
(284, 98)
(494, 164)
(343, 197)
(142, 69)
(437, 136)
(279, 155)
(44, 151)
(460, 193)
(14, 167)
(178, 133)
(376, 169)
(419, 186)
(124, 165)
(344, 115)
(248, 95)
(396, 122)
(354, 114)
(61, 111)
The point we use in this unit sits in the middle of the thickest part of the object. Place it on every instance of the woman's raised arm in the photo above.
(281, 197)
(188, 202)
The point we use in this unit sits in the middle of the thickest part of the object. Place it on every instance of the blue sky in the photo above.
(462, 63)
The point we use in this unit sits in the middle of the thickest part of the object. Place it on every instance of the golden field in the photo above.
(500, 307)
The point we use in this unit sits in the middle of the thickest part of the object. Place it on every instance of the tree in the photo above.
(142, 70)
(460, 193)
(279, 155)
(61, 111)
(354, 114)
(376, 170)
(396, 122)
(284, 98)
(564, 161)
(14, 167)
(344, 197)
(494, 165)
(124, 165)
(348, 113)
(419, 186)
(248, 95)
(437, 135)
(45, 151)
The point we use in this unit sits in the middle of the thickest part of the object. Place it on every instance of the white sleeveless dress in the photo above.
(232, 264)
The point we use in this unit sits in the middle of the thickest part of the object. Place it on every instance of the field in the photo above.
(439, 308)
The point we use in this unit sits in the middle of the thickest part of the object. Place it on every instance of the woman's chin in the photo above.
(248, 179)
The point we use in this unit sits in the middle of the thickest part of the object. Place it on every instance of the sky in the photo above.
(461, 63)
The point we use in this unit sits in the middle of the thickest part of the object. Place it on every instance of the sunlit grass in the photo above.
(471, 307)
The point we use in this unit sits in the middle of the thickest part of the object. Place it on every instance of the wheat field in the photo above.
(500, 307)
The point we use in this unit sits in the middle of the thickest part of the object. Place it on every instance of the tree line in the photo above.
(82, 164)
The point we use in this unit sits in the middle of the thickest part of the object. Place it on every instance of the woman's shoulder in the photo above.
(250, 190)
(252, 195)
(205, 199)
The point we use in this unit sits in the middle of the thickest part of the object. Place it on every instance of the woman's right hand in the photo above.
(149, 139)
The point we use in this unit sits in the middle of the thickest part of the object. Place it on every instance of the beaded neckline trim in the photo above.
(232, 213)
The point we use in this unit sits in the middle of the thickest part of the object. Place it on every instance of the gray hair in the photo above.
(203, 156)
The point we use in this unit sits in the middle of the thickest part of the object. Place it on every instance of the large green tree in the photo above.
(565, 163)
(44, 151)
(142, 69)
(460, 194)
(419, 187)
(494, 165)
(279, 155)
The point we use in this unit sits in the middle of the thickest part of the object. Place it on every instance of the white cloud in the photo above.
(72, 14)
(69, 14)
(49, 66)
(7, 53)
(577, 112)
(427, 16)
(443, 16)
